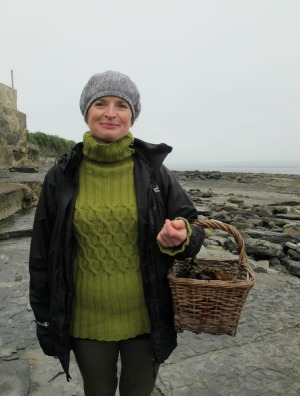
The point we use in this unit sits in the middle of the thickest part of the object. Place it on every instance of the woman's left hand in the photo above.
(172, 234)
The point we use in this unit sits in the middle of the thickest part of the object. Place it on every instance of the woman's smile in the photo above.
(109, 125)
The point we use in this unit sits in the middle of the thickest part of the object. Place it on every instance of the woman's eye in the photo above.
(100, 104)
(122, 105)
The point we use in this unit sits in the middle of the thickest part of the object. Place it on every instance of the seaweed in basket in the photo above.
(194, 270)
(183, 270)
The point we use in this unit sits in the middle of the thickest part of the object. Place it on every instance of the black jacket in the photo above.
(158, 195)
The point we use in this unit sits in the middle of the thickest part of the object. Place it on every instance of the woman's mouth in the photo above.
(109, 125)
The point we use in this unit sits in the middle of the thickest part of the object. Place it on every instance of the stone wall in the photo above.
(8, 97)
(15, 152)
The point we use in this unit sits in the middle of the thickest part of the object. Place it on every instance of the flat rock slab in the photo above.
(18, 225)
(11, 199)
(264, 357)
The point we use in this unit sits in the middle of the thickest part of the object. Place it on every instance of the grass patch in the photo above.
(50, 145)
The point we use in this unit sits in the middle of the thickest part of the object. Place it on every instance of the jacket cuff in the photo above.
(181, 248)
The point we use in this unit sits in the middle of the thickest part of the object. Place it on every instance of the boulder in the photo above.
(292, 266)
(292, 230)
(293, 254)
(260, 247)
(271, 236)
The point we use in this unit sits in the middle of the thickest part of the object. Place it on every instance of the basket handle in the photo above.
(215, 224)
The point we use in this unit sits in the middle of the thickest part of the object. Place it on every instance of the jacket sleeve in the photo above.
(178, 204)
(39, 287)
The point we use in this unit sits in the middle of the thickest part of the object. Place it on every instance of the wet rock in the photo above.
(280, 210)
(262, 210)
(271, 236)
(293, 254)
(292, 266)
(292, 230)
(242, 225)
(230, 207)
(259, 247)
(276, 264)
(236, 200)
(288, 216)
(201, 210)
(291, 245)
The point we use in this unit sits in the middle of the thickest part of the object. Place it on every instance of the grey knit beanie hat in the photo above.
(110, 83)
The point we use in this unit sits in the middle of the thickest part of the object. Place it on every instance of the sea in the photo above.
(287, 168)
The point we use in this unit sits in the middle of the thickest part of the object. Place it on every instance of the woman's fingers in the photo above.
(173, 233)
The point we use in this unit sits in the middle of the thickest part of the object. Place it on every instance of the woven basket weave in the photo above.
(212, 306)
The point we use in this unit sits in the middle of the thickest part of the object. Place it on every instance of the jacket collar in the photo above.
(152, 154)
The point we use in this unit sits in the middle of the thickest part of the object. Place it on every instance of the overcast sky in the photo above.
(219, 79)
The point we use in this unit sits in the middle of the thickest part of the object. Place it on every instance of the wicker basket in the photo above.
(212, 306)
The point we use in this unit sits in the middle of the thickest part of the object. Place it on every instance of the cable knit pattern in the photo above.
(109, 300)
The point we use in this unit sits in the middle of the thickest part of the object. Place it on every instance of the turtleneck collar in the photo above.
(112, 152)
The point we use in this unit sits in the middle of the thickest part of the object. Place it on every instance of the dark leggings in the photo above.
(97, 362)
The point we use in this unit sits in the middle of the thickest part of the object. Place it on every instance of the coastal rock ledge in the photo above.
(262, 359)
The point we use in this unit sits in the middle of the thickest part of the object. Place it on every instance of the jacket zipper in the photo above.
(44, 324)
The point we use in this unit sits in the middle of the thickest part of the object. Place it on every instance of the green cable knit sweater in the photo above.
(109, 302)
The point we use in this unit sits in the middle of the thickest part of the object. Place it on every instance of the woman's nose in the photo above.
(110, 111)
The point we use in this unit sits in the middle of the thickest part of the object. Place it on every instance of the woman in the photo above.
(109, 220)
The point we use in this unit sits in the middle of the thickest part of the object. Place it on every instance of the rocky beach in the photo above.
(263, 358)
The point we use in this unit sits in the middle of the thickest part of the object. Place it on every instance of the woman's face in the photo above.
(109, 119)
